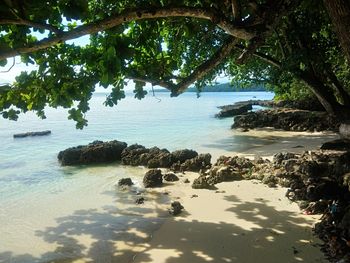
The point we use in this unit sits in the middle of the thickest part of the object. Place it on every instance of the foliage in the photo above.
(165, 50)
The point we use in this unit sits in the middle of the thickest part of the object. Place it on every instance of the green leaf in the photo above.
(111, 53)
(3, 62)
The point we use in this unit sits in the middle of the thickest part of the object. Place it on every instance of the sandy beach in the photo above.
(243, 221)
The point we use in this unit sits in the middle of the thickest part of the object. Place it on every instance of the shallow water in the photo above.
(63, 214)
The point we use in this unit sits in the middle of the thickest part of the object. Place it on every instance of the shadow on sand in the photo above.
(117, 236)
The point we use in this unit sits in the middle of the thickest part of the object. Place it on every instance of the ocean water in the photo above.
(50, 213)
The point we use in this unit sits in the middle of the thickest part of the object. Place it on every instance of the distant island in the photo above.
(223, 87)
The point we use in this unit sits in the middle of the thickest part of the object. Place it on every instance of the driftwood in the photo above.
(27, 134)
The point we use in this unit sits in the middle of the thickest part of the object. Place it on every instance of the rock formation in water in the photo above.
(95, 152)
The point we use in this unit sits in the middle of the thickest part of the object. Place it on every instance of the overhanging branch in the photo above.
(272, 61)
(217, 58)
(132, 15)
(155, 82)
(29, 23)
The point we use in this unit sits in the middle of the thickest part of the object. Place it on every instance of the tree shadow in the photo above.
(113, 233)
(117, 235)
(265, 235)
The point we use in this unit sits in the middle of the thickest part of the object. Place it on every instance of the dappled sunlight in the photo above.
(251, 229)
(93, 235)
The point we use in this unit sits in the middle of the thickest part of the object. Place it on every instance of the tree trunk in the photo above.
(339, 12)
(325, 97)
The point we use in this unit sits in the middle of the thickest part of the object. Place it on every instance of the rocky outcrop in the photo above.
(183, 155)
(318, 180)
(153, 178)
(233, 110)
(195, 164)
(180, 160)
(287, 119)
(95, 152)
(338, 145)
(30, 134)
(309, 104)
(136, 155)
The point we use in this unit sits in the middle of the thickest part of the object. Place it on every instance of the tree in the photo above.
(287, 44)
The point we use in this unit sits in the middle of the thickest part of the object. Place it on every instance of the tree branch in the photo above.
(236, 10)
(217, 58)
(272, 13)
(272, 61)
(344, 95)
(29, 23)
(165, 84)
(249, 50)
(132, 15)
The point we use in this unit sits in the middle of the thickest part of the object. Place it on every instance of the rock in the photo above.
(152, 158)
(140, 200)
(183, 155)
(153, 178)
(338, 145)
(346, 180)
(201, 183)
(27, 134)
(170, 177)
(278, 158)
(186, 181)
(287, 119)
(175, 208)
(125, 181)
(233, 110)
(344, 131)
(220, 174)
(95, 152)
(197, 163)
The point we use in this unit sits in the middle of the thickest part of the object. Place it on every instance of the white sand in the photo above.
(245, 222)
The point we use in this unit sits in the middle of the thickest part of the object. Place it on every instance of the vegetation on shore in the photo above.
(295, 47)
(223, 87)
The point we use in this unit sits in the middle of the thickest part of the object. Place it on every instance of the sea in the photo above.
(50, 213)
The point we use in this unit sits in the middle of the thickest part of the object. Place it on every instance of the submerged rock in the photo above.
(153, 178)
(95, 152)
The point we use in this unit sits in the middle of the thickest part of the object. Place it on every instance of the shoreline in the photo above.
(107, 225)
(241, 221)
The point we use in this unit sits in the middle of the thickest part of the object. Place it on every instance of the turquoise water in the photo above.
(173, 123)
(35, 191)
